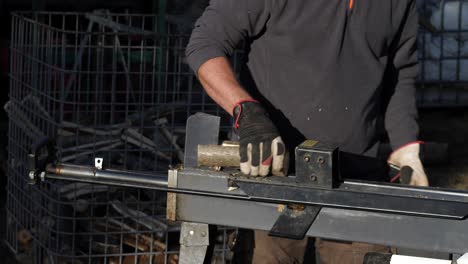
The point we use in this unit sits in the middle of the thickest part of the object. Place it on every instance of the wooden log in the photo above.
(25, 240)
(135, 243)
(227, 155)
(218, 155)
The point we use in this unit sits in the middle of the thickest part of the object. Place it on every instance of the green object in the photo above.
(162, 16)
(39, 5)
(159, 8)
(137, 56)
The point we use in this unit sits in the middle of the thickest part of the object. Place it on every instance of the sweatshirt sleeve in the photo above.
(401, 113)
(223, 25)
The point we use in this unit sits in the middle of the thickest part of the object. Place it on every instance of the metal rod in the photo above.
(352, 195)
(91, 173)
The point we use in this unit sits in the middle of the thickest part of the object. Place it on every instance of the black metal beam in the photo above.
(349, 195)
(402, 231)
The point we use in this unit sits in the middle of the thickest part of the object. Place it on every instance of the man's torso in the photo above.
(322, 64)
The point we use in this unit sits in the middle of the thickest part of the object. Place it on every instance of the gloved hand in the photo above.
(261, 146)
(409, 156)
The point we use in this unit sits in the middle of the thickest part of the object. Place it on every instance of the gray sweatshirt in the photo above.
(340, 71)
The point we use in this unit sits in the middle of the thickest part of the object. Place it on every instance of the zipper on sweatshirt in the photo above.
(350, 8)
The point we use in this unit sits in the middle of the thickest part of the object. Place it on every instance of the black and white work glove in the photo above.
(261, 146)
(408, 156)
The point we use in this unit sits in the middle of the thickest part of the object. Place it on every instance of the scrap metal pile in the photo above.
(117, 86)
(113, 86)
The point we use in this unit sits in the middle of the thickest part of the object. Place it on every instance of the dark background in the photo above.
(439, 124)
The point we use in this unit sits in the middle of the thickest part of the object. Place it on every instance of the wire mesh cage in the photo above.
(443, 46)
(98, 84)
(117, 86)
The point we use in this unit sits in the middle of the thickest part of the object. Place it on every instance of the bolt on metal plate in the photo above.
(98, 163)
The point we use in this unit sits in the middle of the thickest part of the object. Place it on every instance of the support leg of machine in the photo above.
(194, 241)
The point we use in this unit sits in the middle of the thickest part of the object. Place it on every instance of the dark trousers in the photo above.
(272, 250)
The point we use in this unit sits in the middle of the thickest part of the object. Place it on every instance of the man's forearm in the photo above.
(219, 81)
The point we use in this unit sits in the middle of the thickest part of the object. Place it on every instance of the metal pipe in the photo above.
(71, 170)
(92, 174)
(350, 195)
(88, 174)
(133, 177)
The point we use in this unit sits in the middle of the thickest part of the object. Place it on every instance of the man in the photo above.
(337, 71)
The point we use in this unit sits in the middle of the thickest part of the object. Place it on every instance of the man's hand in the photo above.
(261, 146)
(409, 156)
